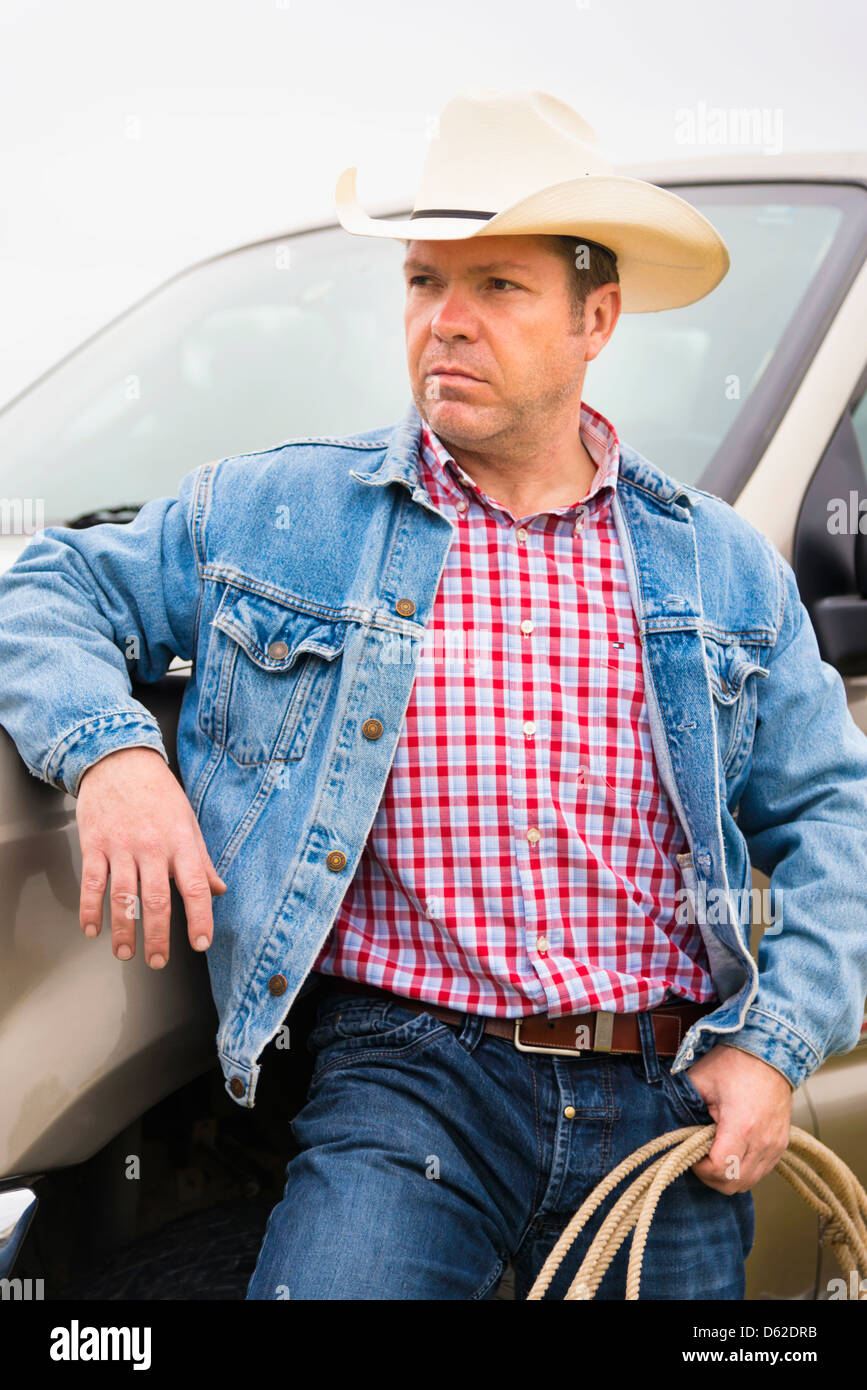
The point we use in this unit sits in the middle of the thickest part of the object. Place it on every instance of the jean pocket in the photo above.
(266, 673)
(686, 1098)
(734, 671)
(352, 1029)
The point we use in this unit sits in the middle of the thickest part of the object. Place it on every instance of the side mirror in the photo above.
(840, 623)
(831, 565)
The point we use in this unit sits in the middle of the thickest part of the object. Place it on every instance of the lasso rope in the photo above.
(812, 1169)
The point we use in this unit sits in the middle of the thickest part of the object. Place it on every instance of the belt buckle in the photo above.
(602, 1030)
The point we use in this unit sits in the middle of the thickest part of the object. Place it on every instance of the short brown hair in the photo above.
(601, 269)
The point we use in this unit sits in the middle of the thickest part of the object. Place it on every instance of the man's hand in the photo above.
(751, 1103)
(134, 820)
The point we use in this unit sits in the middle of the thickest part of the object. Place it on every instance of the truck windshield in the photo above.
(303, 335)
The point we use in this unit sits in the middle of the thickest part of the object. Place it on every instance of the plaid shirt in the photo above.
(522, 856)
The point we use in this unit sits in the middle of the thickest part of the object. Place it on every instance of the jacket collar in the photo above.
(399, 464)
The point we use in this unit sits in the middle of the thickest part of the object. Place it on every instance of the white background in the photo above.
(138, 138)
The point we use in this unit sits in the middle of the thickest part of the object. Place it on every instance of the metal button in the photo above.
(237, 1087)
(336, 860)
(278, 984)
(371, 728)
(278, 650)
(405, 607)
(569, 1112)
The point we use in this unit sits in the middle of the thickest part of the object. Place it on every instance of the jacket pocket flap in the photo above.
(729, 664)
(274, 636)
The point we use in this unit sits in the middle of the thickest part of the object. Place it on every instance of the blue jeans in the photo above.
(432, 1154)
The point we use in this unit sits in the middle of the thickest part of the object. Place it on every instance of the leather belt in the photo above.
(571, 1035)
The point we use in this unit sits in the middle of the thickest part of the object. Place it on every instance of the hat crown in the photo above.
(493, 148)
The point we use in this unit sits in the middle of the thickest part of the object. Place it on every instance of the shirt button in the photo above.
(533, 835)
(237, 1087)
(277, 984)
(336, 860)
(278, 650)
(521, 534)
(529, 727)
(405, 607)
(462, 505)
(569, 1112)
(542, 945)
(527, 625)
(371, 728)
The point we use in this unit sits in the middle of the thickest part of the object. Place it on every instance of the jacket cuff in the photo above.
(94, 739)
(773, 1041)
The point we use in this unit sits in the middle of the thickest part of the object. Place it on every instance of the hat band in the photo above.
(449, 212)
(464, 212)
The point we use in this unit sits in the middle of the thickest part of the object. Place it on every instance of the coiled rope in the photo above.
(815, 1172)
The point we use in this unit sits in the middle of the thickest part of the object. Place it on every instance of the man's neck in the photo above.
(531, 484)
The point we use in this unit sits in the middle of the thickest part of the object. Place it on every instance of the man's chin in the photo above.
(461, 420)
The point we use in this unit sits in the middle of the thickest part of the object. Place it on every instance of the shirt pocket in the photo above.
(735, 669)
(266, 674)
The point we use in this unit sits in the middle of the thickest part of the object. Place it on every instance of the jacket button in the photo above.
(371, 728)
(336, 860)
(237, 1087)
(405, 607)
(277, 984)
(278, 650)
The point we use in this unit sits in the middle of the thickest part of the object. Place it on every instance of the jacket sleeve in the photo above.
(803, 814)
(83, 610)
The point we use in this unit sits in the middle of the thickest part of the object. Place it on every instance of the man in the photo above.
(449, 846)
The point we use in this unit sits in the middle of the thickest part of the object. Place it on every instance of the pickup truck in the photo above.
(125, 1172)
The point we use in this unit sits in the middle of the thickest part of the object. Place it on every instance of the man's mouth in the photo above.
(452, 374)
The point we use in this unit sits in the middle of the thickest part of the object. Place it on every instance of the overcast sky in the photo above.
(137, 138)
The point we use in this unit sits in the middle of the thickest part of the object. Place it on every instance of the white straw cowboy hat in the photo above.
(509, 163)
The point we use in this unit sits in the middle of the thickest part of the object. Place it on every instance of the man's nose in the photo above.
(454, 316)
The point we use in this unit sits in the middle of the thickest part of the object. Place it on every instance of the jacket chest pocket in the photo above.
(734, 669)
(265, 678)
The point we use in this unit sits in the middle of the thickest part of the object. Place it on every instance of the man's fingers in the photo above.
(94, 878)
(734, 1164)
(215, 883)
(124, 904)
(194, 885)
(156, 906)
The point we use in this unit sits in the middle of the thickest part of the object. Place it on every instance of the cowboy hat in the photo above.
(512, 163)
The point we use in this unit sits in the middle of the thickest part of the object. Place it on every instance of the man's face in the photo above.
(500, 309)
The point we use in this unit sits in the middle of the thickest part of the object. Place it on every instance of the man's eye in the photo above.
(498, 281)
(414, 279)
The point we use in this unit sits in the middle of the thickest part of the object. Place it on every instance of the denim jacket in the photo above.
(300, 580)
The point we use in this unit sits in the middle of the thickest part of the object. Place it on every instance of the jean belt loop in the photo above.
(648, 1047)
(471, 1030)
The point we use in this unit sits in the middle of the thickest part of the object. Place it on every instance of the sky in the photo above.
(136, 139)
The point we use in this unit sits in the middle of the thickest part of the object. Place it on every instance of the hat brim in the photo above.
(668, 253)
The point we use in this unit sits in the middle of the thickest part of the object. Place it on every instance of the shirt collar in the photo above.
(599, 438)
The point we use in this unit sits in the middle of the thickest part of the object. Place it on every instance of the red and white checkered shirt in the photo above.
(522, 856)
